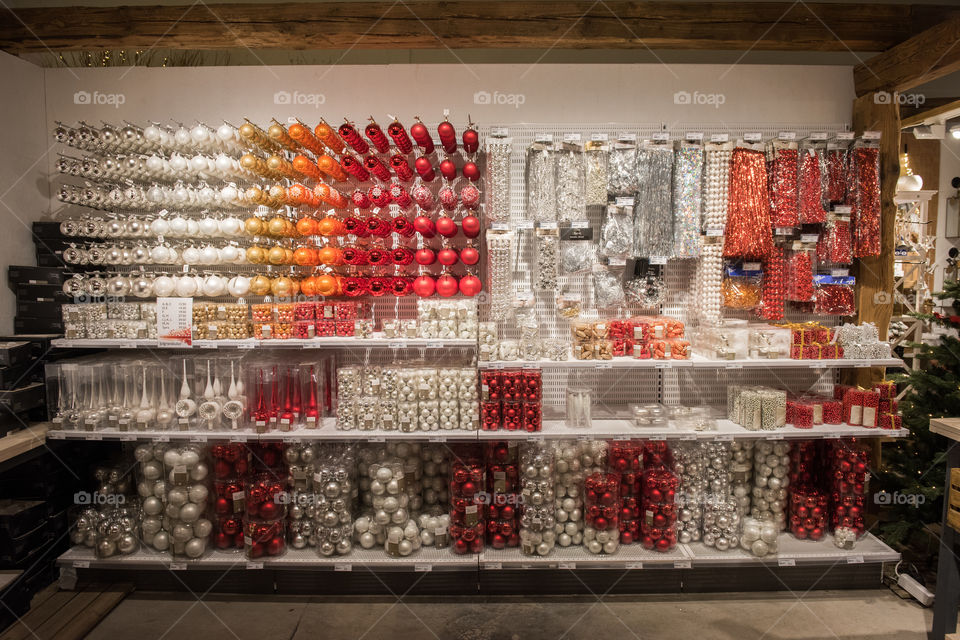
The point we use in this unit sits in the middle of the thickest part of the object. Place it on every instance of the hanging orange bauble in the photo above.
(253, 226)
(256, 255)
(305, 256)
(327, 285)
(328, 226)
(277, 227)
(276, 255)
(307, 226)
(329, 255)
(259, 285)
(282, 287)
(288, 256)
(308, 286)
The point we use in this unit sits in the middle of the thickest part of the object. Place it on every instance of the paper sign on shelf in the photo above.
(174, 322)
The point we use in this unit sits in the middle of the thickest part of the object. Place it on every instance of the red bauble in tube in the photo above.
(354, 286)
(355, 226)
(471, 171)
(425, 226)
(448, 198)
(379, 286)
(447, 285)
(377, 168)
(448, 170)
(378, 256)
(424, 169)
(399, 136)
(349, 133)
(469, 255)
(448, 136)
(423, 197)
(401, 167)
(353, 255)
(401, 256)
(471, 140)
(448, 257)
(354, 167)
(446, 227)
(403, 226)
(425, 256)
(400, 286)
(375, 134)
(400, 196)
(424, 286)
(360, 199)
(421, 134)
(470, 285)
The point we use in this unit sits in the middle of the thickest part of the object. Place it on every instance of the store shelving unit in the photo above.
(252, 343)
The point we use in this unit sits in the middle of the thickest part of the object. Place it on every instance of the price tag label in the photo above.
(162, 439)
(543, 138)
(681, 564)
(604, 365)
(436, 439)
(254, 565)
(246, 345)
(236, 439)
(499, 132)
(567, 565)
(688, 437)
(81, 564)
(786, 562)
(525, 224)
(775, 436)
(633, 565)
(621, 438)
(787, 135)
(658, 260)
(128, 438)
(863, 365)
(719, 138)
(580, 224)
(617, 262)
(733, 366)
(178, 566)
(627, 137)
(343, 566)
(377, 439)
(657, 438)
(93, 437)
(660, 136)
(434, 345)
(694, 136)
(715, 232)
(198, 438)
(548, 225)
(599, 137)
(857, 559)
(55, 435)
(753, 136)
(493, 565)
(783, 231)
(871, 135)
(844, 135)
(536, 439)
(623, 201)
(662, 365)
(422, 568)
(571, 137)
(501, 226)
(809, 238)
(819, 136)
(723, 437)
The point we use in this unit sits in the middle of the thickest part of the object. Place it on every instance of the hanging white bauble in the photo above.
(214, 286)
(193, 228)
(200, 134)
(159, 254)
(229, 194)
(231, 226)
(175, 257)
(155, 194)
(178, 226)
(113, 255)
(191, 256)
(225, 132)
(198, 163)
(163, 286)
(152, 133)
(210, 255)
(229, 253)
(238, 286)
(126, 256)
(160, 227)
(178, 163)
(181, 194)
(155, 165)
(198, 280)
(909, 183)
(141, 287)
(118, 286)
(186, 286)
(209, 226)
(141, 255)
(206, 196)
(182, 137)
(224, 163)
(114, 228)
(135, 227)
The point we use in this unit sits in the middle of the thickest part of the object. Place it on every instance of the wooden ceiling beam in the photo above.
(936, 114)
(926, 56)
(432, 24)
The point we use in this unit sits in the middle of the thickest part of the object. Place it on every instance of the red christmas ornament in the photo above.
(275, 546)
(447, 169)
(447, 285)
(471, 171)
(470, 196)
(448, 136)
(471, 140)
(421, 134)
(403, 226)
(448, 257)
(446, 227)
(375, 134)
(401, 167)
(399, 136)
(349, 133)
(269, 510)
(469, 255)
(470, 285)
(424, 286)
(425, 226)
(354, 167)
(377, 168)
(424, 169)
(471, 226)
(425, 256)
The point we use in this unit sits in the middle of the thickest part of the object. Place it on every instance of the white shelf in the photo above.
(697, 362)
(792, 551)
(292, 343)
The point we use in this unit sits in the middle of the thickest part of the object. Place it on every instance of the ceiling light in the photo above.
(955, 131)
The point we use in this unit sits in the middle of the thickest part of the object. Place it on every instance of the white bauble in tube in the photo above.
(163, 286)
(186, 286)
(238, 286)
(214, 286)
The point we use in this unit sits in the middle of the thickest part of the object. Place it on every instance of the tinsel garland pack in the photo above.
(498, 180)
(688, 200)
(748, 232)
(653, 215)
(864, 186)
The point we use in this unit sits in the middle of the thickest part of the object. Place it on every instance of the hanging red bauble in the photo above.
(421, 134)
(446, 227)
(471, 171)
(447, 169)
(424, 169)
(448, 136)
(469, 255)
(400, 286)
(471, 226)
(447, 285)
(424, 286)
(425, 256)
(379, 286)
(424, 226)
(471, 140)
(448, 257)
(470, 285)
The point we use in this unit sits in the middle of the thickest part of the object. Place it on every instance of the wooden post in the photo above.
(876, 112)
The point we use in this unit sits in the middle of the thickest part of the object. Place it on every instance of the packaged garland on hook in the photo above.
(498, 178)
(838, 159)
(541, 181)
(647, 288)
(716, 185)
(571, 180)
(577, 250)
(782, 169)
(499, 249)
(608, 286)
(688, 198)
(810, 181)
(748, 231)
(548, 243)
(653, 213)
(616, 234)
(622, 176)
(864, 194)
(595, 159)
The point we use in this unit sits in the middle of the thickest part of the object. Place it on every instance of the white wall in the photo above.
(949, 169)
(24, 185)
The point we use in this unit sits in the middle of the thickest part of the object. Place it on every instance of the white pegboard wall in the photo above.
(614, 389)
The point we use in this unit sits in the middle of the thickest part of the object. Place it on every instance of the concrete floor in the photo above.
(844, 615)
